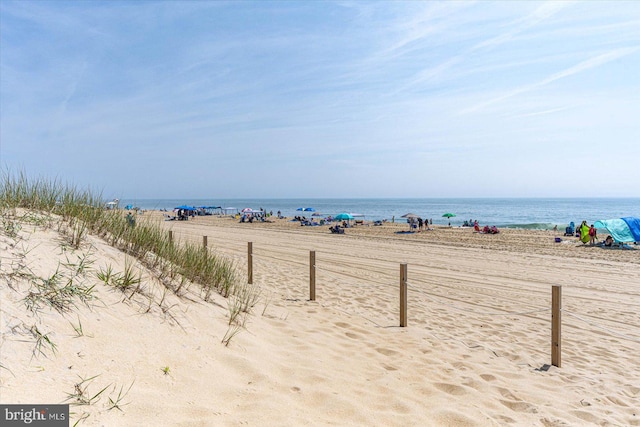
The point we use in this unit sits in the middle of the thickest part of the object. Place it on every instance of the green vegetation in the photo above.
(80, 213)
(81, 395)
(42, 342)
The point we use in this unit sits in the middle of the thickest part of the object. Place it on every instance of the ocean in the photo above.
(529, 213)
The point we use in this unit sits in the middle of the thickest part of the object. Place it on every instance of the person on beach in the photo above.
(592, 235)
(584, 232)
(608, 241)
(131, 220)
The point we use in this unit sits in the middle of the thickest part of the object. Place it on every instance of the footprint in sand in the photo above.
(488, 377)
(386, 351)
(452, 389)
(519, 406)
(352, 335)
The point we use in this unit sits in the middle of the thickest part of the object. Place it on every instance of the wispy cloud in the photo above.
(585, 65)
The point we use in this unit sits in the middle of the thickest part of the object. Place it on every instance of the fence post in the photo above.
(250, 263)
(171, 236)
(403, 295)
(312, 275)
(556, 338)
(204, 241)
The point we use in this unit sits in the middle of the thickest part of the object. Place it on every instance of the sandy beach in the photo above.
(475, 352)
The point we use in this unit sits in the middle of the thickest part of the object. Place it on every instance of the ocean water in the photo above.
(531, 213)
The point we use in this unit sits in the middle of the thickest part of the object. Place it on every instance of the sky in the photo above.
(344, 99)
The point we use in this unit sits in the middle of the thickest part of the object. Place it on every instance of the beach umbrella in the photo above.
(448, 215)
(343, 217)
(309, 210)
(410, 215)
(246, 210)
(186, 208)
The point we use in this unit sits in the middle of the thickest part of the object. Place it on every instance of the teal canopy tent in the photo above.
(621, 229)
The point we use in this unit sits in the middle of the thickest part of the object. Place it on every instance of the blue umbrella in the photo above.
(186, 208)
(309, 210)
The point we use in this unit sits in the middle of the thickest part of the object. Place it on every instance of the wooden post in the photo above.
(171, 236)
(250, 263)
(312, 275)
(403, 295)
(204, 241)
(556, 338)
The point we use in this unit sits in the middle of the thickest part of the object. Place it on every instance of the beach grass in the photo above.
(82, 212)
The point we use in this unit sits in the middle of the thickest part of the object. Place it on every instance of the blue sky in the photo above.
(323, 99)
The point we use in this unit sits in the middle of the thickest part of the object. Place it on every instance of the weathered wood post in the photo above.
(312, 275)
(171, 236)
(250, 263)
(556, 324)
(403, 295)
(204, 242)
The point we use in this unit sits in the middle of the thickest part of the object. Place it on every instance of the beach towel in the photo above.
(584, 233)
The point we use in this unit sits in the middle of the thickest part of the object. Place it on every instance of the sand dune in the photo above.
(475, 352)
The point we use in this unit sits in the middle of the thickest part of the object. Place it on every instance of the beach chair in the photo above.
(336, 229)
(570, 229)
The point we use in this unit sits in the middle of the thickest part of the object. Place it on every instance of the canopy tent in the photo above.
(113, 204)
(185, 208)
(621, 229)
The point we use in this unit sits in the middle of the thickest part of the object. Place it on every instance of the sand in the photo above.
(475, 352)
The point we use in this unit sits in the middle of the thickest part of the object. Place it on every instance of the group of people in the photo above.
(486, 229)
(588, 234)
(336, 229)
(419, 223)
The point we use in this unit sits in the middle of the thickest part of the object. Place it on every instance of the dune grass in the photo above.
(82, 212)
